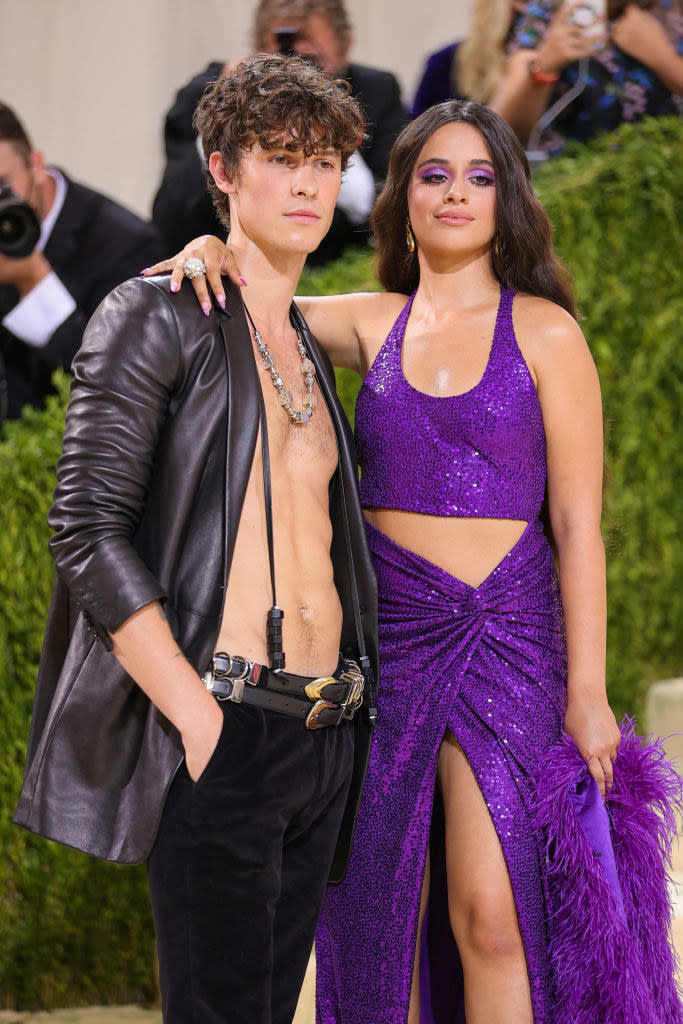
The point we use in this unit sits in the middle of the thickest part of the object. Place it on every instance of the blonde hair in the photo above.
(479, 60)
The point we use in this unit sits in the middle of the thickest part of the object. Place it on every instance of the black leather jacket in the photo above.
(158, 446)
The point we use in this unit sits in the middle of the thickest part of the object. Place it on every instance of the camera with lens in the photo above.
(19, 225)
(285, 37)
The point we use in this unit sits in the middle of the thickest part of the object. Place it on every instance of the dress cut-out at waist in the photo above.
(464, 547)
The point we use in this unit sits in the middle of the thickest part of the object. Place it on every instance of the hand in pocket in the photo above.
(201, 745)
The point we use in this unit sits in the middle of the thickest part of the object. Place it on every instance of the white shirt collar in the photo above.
(60, 195)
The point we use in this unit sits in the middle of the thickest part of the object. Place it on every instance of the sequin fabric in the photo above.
(489, 664)
(481, 453)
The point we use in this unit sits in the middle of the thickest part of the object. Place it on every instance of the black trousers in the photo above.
(239, 868)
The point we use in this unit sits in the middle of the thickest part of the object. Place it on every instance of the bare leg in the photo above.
(414, 1008)
(480, 901)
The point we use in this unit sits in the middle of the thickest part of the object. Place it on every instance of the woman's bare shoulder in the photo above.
(379, 306)
(551, 341)
(541, 325)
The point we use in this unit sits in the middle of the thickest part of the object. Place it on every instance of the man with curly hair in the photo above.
(207, 487)
(320, 31)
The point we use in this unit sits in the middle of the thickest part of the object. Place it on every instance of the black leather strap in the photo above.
(275, 615)
(355, 602)
(267, 491)
(335, 691)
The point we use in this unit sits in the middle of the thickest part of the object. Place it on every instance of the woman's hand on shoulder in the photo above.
(218, 259)
(593, 727)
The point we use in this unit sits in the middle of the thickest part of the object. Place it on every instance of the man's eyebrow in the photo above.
(443, 160)
(295, 146)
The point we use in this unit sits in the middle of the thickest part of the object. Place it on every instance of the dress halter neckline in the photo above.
(504, 308)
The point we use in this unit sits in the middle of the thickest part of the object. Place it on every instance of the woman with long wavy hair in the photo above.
(480, 402)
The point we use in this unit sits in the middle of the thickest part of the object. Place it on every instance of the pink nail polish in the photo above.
(243, 281)
(144, 270)
(220, 299)
(206, 308)
(174, 286)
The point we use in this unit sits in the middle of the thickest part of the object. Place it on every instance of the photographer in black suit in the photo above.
(88, 244)
(319, 30)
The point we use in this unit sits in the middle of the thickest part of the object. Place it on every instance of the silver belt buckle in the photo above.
(236, 661)
(353, 676)
(236, 682)
(236, 693)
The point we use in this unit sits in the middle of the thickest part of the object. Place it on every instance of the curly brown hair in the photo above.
(275, 101)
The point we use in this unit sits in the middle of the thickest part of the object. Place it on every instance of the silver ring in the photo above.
(194, 267)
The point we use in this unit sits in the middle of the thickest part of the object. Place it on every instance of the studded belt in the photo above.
(322, 701)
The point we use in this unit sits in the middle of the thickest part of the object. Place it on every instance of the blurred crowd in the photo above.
(555, 70)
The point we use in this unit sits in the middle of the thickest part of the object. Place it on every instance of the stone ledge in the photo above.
(664, 717)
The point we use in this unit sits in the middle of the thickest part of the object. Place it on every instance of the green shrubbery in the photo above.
(615, 209)
(73, 930)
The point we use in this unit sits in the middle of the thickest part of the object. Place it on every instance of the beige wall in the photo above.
(92, 79)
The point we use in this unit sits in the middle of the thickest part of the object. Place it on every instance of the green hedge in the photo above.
(74, 930)
(616, 213)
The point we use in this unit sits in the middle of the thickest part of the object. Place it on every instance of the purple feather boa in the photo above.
(612, 964)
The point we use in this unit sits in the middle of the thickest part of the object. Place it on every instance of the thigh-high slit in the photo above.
(487, 663)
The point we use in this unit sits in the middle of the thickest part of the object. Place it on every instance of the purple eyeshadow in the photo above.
(435, 169)
(481, 172)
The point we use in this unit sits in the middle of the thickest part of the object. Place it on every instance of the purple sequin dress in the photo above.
(487, 663)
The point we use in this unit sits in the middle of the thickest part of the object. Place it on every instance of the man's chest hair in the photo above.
(298, 445)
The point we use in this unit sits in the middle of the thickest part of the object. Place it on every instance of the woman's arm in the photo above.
(347, 326)
(642, 36)
(569, 394)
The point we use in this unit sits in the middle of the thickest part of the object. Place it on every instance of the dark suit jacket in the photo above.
(158, 446)
(183, 207)
(95, 244)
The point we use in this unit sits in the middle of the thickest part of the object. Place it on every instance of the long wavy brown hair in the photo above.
(522, 254)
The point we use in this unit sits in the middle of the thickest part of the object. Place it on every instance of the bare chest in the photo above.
(303, 451)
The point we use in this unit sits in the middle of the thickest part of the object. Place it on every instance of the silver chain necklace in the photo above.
(285, 396)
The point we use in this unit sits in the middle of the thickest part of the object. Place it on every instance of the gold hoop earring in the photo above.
(410, 237)
(496, 249)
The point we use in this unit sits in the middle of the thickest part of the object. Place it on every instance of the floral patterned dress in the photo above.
(618, 87)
